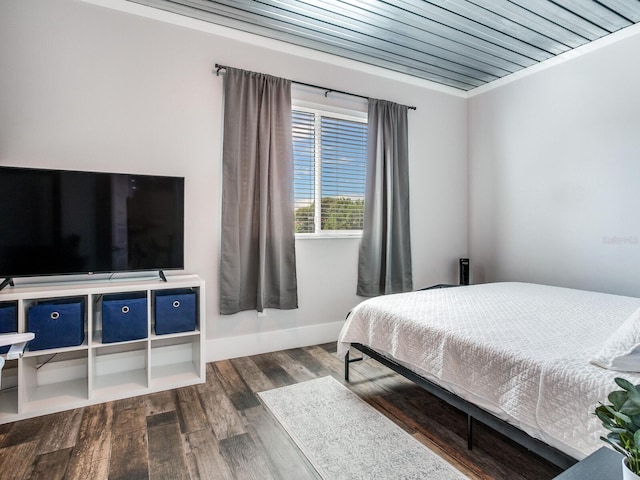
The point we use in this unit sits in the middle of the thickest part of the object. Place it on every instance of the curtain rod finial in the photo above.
(219, 67)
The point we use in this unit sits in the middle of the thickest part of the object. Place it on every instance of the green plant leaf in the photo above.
(614, 437)
(618, 398)
(605, 417)
(630, 408)
(624, 418)
(634, 394)
(623, 383)
(615, 428)
(636, 439)
(603, 414)
(616, 447)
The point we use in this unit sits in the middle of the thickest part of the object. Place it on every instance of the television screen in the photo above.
(55, 222)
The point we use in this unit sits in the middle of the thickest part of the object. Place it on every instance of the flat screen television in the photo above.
(61, 222)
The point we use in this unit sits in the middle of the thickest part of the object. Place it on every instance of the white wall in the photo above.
(87, 87)
(554, 164)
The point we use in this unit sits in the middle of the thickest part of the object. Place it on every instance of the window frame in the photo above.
(342, 114)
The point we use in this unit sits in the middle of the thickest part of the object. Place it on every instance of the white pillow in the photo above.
(621, 351)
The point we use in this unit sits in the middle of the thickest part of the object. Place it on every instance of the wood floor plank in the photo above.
(270, 366)
(4, 429)
(24, 431)
(252, 375)
(128, 403)
(166, 453)
(284, 457)
(245, 460)
(330, 347)
(413, 419)
(223, 418)
(129, 459)
(16, 461)
(90, 456)
(510, 454)
(294, 369)
(330, 361)
(61, 432)
(204, 458)
(309, 362)
(160, 402)
(52, 465)
(190, 411)
(360, 384)
(235, 387)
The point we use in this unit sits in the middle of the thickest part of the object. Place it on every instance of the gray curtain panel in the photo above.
(257, 265)
(384, 264)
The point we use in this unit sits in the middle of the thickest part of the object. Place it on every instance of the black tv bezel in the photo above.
(8, 278)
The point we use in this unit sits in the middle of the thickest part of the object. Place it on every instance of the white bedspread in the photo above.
(518, 350)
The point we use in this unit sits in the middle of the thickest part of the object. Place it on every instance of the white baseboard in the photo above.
(264, 342)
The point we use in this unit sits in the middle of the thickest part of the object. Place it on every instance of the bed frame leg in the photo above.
(348, 360)
(469, 432)
(346, 367)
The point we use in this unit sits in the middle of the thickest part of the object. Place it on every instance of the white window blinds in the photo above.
(329, 153)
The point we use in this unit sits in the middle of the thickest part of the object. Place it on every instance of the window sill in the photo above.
(327, 235)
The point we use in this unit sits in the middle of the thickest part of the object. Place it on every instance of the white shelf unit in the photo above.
(48, 381)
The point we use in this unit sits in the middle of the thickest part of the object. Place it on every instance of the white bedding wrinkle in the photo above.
(621, 351)
(519, 350)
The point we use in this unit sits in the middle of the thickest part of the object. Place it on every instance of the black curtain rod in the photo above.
(326, 90)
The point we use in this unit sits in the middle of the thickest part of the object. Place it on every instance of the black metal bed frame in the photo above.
(472, 411)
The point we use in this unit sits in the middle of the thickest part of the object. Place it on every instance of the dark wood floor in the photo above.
(220, 430)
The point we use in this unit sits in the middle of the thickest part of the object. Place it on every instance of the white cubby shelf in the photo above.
(49, 381)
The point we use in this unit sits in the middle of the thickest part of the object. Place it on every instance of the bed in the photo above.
(521, 357)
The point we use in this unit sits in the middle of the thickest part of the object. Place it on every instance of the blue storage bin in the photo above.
(56, 323)
(8, 321)
(175, 311)
(124, 317)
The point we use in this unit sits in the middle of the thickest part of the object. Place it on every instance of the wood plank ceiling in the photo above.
(460, 43)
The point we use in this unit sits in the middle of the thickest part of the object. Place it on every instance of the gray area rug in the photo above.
(345, 438)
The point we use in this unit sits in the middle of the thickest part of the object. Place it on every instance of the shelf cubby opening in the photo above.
(175, 360)
(55, 379)
(119, 367)
(9, 388)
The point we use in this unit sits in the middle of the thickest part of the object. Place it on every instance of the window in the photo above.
(329, 155)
